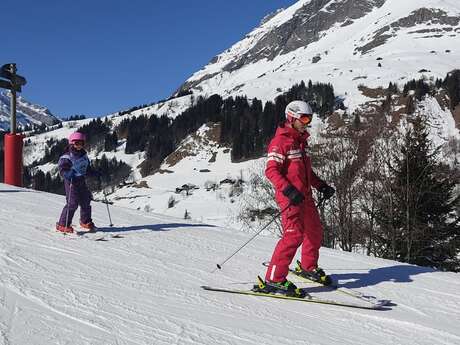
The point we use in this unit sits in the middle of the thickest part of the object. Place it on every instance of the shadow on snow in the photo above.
(151, 227)
(15, 191)
(397, 274)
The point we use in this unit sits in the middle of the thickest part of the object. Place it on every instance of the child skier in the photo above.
(289, 170)
(74, 165)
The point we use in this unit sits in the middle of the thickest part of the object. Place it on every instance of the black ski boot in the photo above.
(317, 275)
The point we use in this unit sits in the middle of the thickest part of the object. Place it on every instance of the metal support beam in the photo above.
(13, 112)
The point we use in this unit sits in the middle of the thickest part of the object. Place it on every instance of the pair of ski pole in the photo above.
(68, 198)
(277, 214)
(321, 200)
(106, 201)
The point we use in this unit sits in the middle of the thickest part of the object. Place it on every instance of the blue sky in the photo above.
(101, 56)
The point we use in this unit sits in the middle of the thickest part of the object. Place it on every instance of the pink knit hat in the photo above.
(76, 136)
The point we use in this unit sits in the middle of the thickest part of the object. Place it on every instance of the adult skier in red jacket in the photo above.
(289, 170)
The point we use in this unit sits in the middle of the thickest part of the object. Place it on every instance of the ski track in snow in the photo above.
(144, 288)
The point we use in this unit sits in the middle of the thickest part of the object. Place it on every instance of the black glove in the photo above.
(293, 195)
(327, 191)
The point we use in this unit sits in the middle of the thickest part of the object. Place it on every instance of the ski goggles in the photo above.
(305, 118)
(78, 142)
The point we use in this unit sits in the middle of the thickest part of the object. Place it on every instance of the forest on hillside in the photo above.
(397, 197)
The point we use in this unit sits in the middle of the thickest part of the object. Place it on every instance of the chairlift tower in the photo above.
(13, 141)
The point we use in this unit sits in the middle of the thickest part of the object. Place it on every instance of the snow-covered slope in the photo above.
(349, 39)
(144, 288)
(27, 113)
(341, 42)
(201, 163)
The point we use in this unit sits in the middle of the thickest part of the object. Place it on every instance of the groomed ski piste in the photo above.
(144, 288)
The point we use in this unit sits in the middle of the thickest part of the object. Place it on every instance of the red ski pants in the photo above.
(301, 226)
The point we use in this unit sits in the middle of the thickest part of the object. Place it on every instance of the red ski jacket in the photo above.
(288, 163)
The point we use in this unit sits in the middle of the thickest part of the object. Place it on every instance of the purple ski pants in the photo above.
(77, 194)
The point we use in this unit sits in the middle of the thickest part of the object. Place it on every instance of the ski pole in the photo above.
(107, 204)
(219, 266)
(68, 206)
(321, 201)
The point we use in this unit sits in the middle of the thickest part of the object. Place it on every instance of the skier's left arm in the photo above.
(316, 181)
(322, 186)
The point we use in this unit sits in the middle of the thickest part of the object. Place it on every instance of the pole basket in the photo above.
(13, 159)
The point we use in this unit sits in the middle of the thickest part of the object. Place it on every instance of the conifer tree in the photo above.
(425, 223)
(452, 85)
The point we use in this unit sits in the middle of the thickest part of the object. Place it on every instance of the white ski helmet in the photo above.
(296, 109)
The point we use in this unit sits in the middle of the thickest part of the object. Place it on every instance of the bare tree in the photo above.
(257, 203)
(336, 158)
(375, 193)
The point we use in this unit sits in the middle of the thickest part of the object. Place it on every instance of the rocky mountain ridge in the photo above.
(337, 41)
(28, 114)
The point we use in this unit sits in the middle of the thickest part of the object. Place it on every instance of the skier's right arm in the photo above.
(275, 163)
(65, 167)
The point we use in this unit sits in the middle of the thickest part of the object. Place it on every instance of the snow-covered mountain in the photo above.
(338, 41)
(144, 288)
(26, 113)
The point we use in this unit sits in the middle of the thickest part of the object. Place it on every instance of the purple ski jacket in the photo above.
(75, 163)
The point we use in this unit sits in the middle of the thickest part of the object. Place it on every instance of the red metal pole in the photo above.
(13, 141)
(13, 159)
